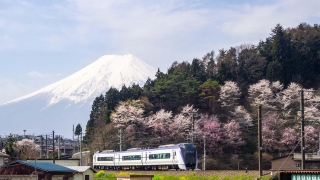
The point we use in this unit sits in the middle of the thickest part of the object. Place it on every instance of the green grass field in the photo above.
(101, 175)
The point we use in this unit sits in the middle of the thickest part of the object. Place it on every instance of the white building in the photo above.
(2, 157)
(84, 172)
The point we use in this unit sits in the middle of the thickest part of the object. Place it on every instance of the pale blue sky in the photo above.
(44, 41)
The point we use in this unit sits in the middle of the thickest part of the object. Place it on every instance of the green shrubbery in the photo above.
(191, 176)
(195, 177)
(101, 174)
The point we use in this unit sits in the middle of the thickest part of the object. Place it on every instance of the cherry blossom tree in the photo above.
(241, 116)
(290, 97)
(229, 94)
(131, 120)
(233, 134)
(289, 139)
(271, 132)
(311, 137)
(126, 115)
(212, 128)
(183, 120)
(161, 117)
(27, 148)
(160, 124)
(265, 93)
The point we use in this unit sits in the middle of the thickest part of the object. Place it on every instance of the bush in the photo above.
(99, 174)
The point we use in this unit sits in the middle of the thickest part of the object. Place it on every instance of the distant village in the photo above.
(53, 158)
(64, 147)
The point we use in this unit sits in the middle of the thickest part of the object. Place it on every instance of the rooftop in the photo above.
(44, 166)
(4, 155)
(81, 168)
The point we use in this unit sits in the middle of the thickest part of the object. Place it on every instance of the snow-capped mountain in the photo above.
(69, 100)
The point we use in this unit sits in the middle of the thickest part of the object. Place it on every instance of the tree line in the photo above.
(224, 90)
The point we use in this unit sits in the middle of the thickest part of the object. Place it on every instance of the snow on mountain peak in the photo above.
(95, 79)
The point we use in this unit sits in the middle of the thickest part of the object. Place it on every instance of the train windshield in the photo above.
(189, 154)
(188, 145)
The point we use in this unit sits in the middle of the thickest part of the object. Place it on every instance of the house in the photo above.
(2, 157)
(86, 158)
(293, 162)
(312, 160)
(20, 170)
(84, 172)
(284, 163)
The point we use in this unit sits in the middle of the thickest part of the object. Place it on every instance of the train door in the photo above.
(141, 158)
(146, 154)
(119, 159)
(174, 156)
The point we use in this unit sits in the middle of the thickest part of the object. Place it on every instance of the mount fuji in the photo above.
(64, 103)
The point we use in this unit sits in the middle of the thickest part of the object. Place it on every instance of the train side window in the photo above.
(159, 156)
(134, 157)
(105, 158)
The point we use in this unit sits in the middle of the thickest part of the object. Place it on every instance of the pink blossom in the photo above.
(212, 129)
(233, 134)
(289, 139)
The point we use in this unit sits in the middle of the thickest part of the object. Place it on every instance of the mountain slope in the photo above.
(71, 98)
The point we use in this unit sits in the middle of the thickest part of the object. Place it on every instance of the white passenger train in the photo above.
(175, 156)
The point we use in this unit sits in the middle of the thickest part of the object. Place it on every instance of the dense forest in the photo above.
(221, 91)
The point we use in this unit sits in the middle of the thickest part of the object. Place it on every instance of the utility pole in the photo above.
(302, 130)
(260, 141)
(35, 164)
(47, 149)
(64, 148)
(319, 141)
(41, 146)
(121, 138)
(204, 152)
(81, 149)
(192, 139)
(59, 147)
(53, 160)
(73, 132)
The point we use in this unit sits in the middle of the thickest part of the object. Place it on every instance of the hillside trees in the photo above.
(272, 96)
(250, 66)
(209, 93)
(281, 54)
(226, 88)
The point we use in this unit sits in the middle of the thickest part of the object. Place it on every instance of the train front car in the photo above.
(189, 154)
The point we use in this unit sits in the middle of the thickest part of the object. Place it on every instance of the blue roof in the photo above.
(45, 166)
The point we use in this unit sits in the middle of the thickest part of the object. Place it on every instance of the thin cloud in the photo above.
(159, 32)
(10, 90)
(252, 21)
(36, 74)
